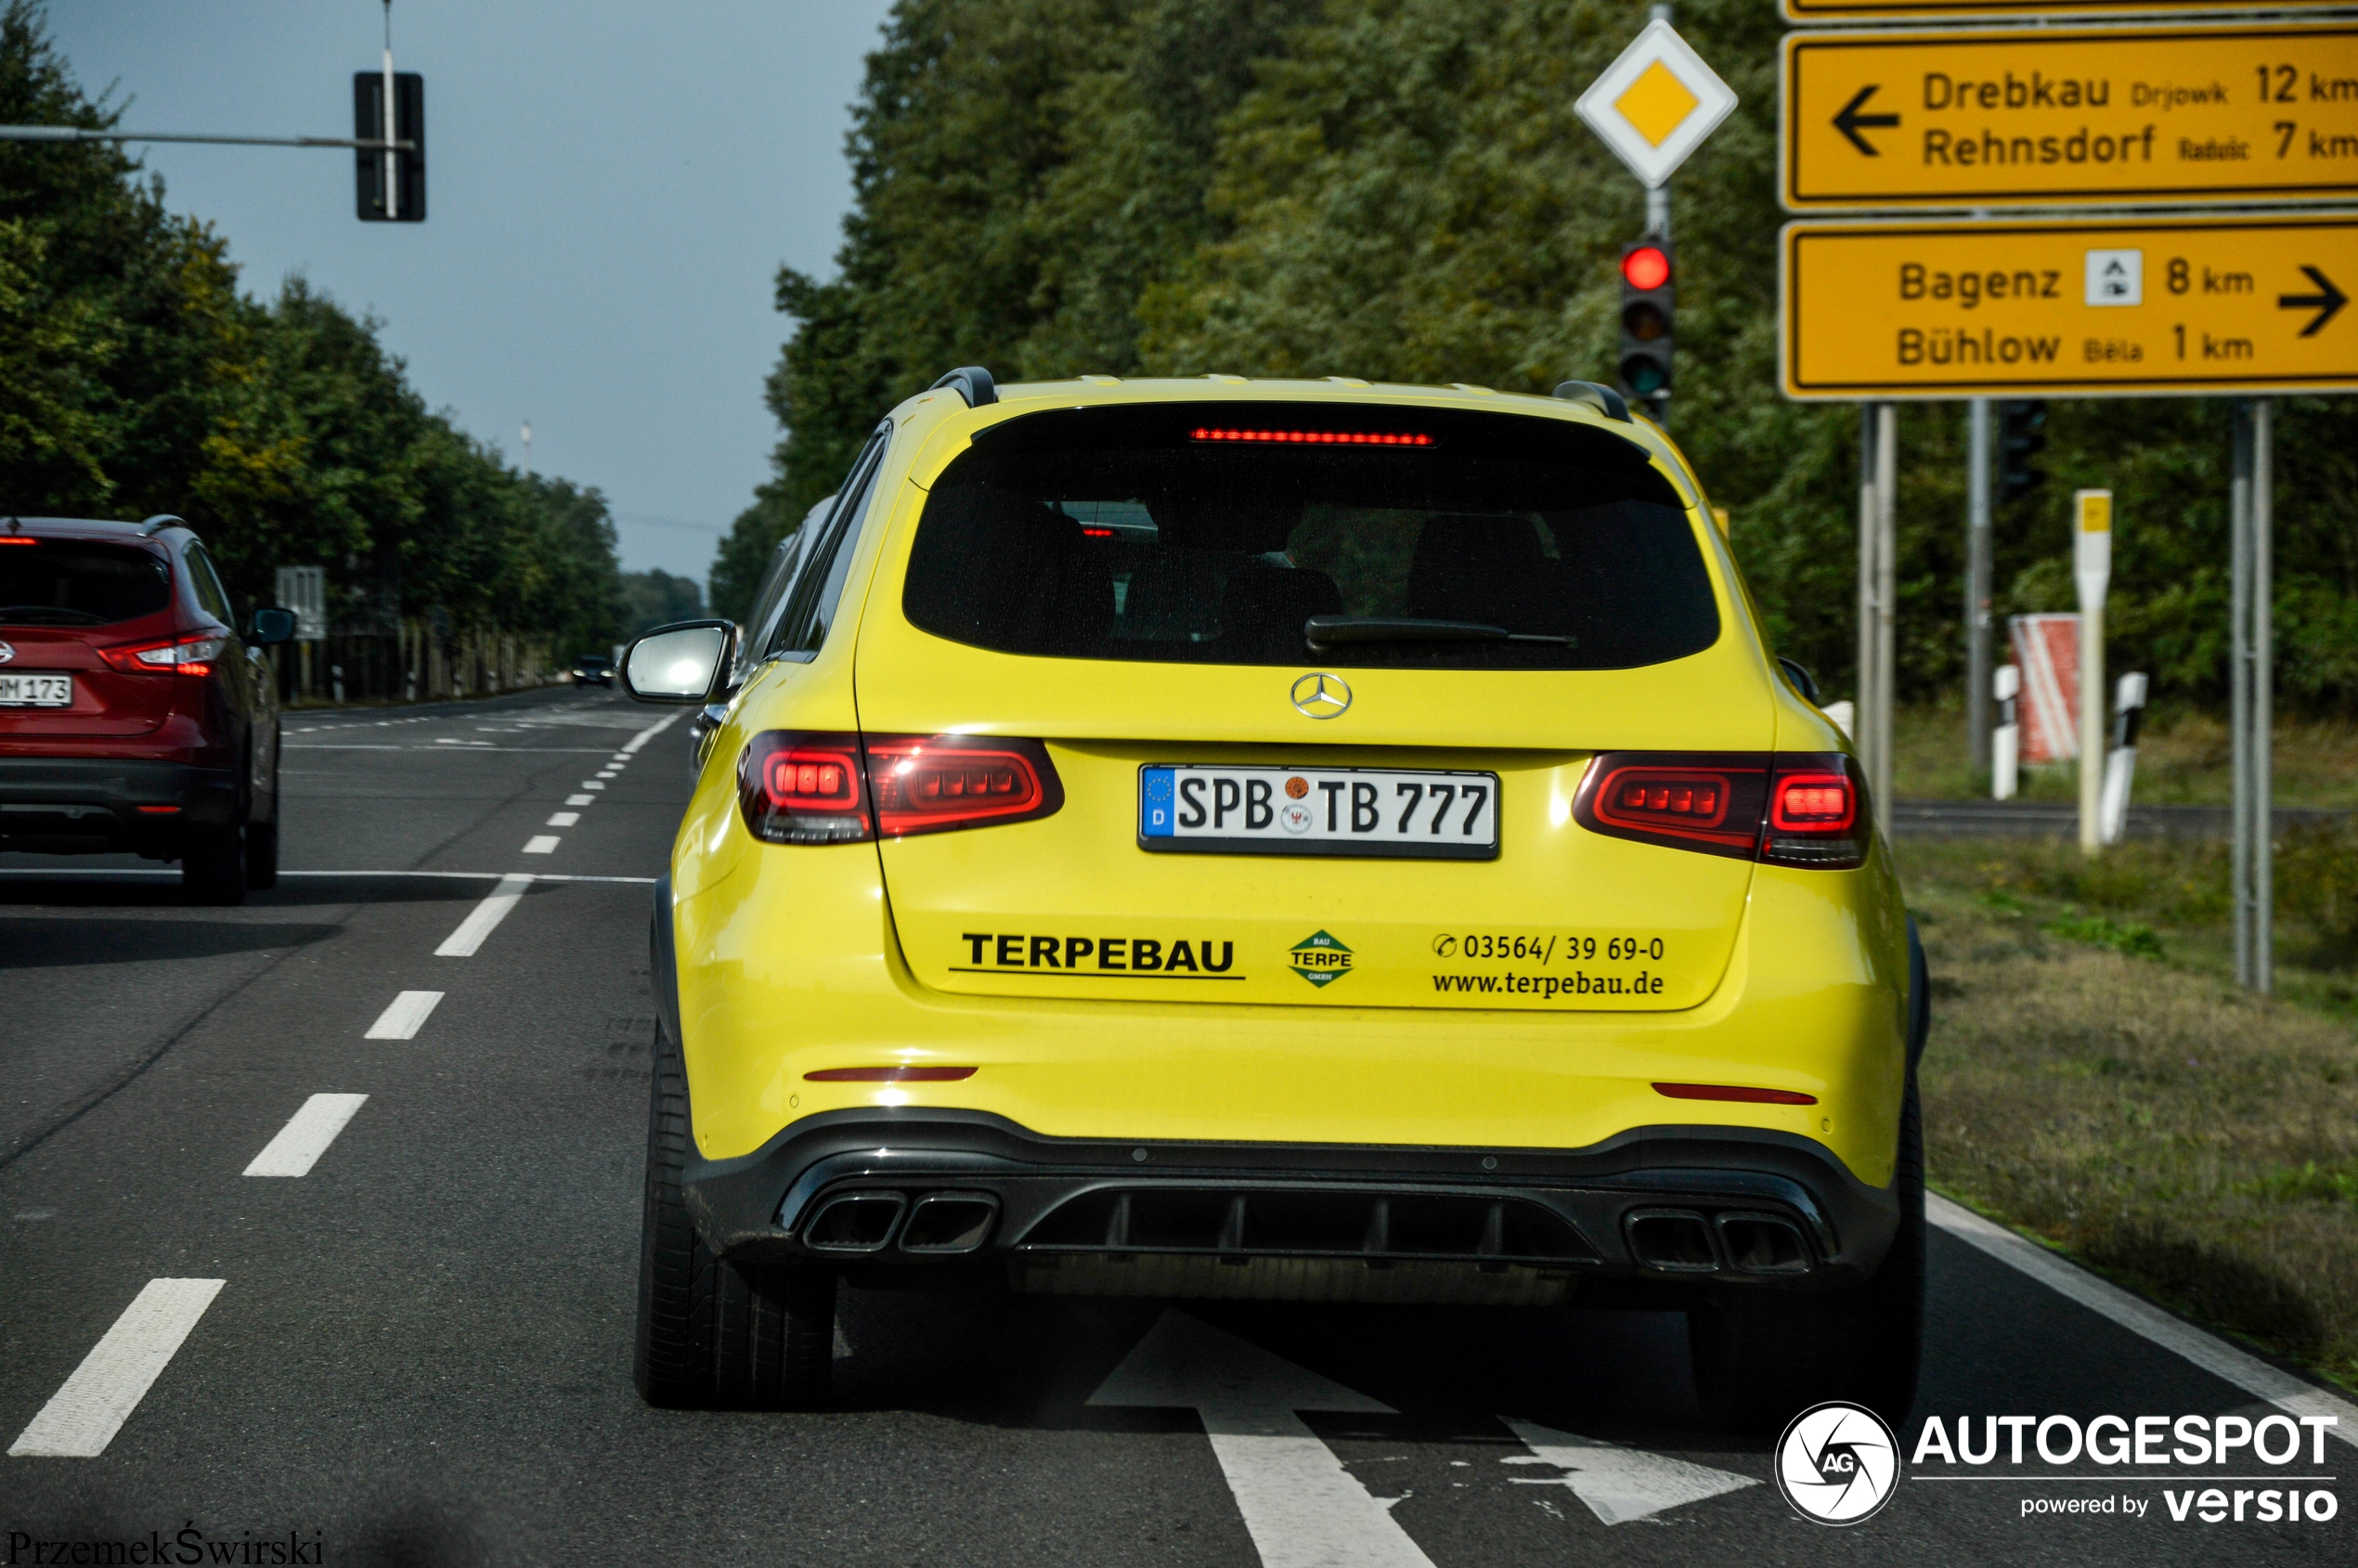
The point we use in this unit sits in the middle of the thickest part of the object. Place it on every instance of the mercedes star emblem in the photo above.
(1321, 695)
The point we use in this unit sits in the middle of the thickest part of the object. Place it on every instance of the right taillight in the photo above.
(837, 789)
(1817, 812)
(1791, 808)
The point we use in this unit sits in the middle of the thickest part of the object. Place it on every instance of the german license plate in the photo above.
(36, 690)
(1214, 810)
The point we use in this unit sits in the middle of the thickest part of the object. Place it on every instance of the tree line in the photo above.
(1399, 190)
(136, 377)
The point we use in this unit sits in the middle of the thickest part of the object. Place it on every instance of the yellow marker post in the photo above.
(2041, 308)
(2070, 116)
(2091, 574)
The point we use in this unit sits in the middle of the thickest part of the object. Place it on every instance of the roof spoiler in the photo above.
(160, 521)
(1596, 395)
(973, 384)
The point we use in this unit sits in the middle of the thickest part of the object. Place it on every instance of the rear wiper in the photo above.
(1326, 631)
(45, 615)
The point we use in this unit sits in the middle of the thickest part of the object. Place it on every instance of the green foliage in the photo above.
(135, 378)
(2335, 1182)
(1398, 189)
(2317, 879)
(2136, 940)
(656, 598)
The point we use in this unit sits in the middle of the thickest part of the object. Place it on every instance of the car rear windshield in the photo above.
(1272, 534)
(77, 582)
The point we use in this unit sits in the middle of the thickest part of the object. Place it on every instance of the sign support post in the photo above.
(1978, 724)
(2252, 697)
(2091, 573)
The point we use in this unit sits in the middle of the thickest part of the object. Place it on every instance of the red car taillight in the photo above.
(174, 655)
(836, 788)
(1788, 808)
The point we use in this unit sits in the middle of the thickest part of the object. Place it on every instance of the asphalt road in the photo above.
(419, 1349)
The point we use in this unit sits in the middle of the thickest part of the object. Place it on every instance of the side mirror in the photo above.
(1798, 673)
(272, 627)
(678, 662)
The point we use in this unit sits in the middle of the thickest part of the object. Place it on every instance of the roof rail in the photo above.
(1597, 396)
(160, 521)
(973, 384)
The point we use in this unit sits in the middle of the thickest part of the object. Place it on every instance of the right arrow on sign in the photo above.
(2326, 301)
(1849, 120)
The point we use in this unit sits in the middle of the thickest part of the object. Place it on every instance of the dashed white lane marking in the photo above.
(1618, 1484)
(2213, 1355)
(540, 844)
(562, 818)
(1300, 1507)
(611, 773)
(407, 1014)
(593, 784)
(650, 733)
(307, 1134)
(485, 919)
(84, 1414)
(578, 799)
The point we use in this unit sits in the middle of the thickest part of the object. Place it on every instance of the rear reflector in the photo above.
(889, 1075)
(1734, 1092)
(157, 810)
(1804, 808)
(18, 539)
(839, 788)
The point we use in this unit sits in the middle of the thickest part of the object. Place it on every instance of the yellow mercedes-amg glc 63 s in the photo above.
(1286, 839)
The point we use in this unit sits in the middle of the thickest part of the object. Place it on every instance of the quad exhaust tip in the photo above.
(1684, 1241)
(937, 1223)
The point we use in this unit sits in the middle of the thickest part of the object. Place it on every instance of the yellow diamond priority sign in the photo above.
(1656, 103)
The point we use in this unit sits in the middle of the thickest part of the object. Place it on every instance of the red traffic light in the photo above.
(1646, 267)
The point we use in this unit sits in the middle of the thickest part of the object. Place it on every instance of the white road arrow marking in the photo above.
(1300, 1507)
(1618, 1484)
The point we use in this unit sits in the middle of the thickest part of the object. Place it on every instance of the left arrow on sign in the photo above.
(1850, 122)
(1300, 1507)
(2327, 302)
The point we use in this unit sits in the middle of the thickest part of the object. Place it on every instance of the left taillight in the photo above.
(1803, 809)
(839, 788)
(174, 655)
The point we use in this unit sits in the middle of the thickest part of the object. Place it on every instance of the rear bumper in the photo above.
(898, 1192)
(90, 805)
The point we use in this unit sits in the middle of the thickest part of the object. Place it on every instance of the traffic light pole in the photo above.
(1977, 568)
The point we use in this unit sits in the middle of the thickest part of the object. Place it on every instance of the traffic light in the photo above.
(1645, 320)
(409, 125)
(2021, 436)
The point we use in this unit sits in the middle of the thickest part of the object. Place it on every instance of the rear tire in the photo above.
(212, 866)
(262, 855)
(713, 1333)
(1762, 1356)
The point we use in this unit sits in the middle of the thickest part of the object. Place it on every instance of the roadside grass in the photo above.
(2182, 759)
(2095, 1077)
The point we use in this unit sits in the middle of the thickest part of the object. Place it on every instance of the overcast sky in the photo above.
(610, 189)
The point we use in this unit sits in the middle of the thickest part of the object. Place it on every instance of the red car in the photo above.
(132, 718)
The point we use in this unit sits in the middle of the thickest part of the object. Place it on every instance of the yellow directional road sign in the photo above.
(2030, 309)
(1997, 10)
(2013, 118)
